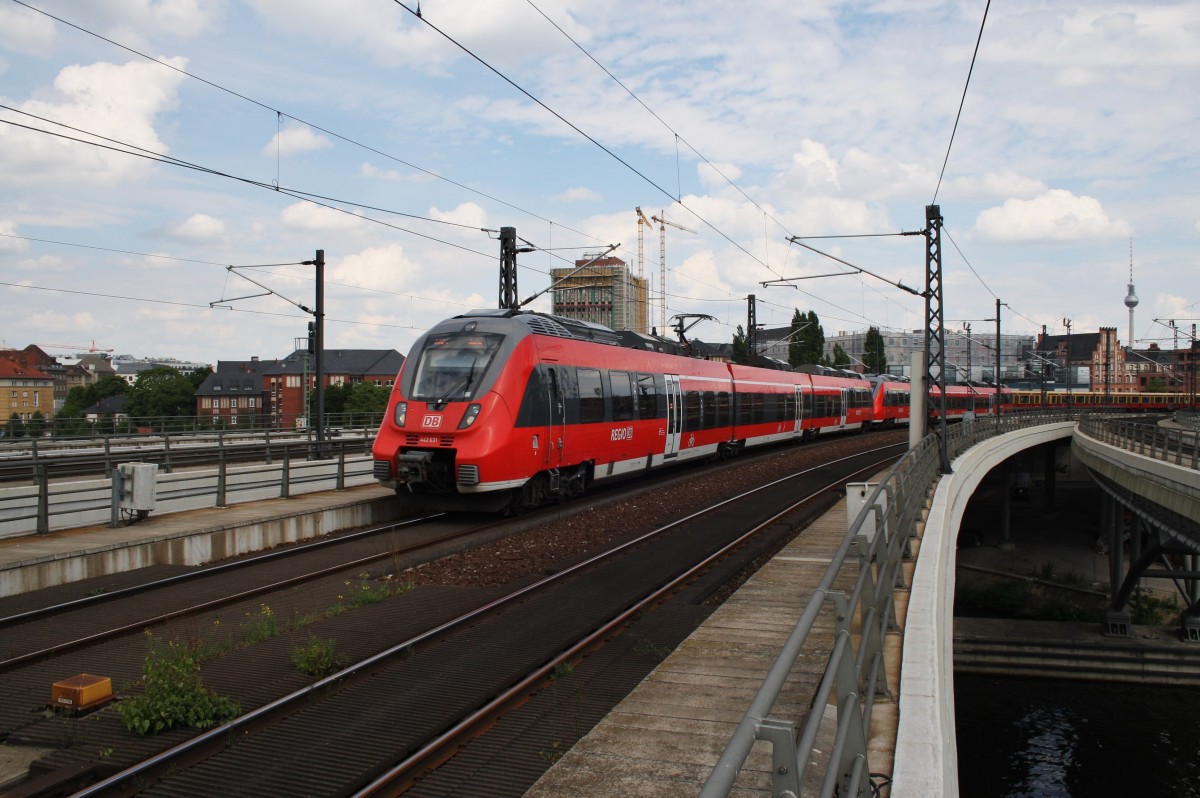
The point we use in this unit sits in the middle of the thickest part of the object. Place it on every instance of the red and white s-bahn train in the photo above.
(504, 409)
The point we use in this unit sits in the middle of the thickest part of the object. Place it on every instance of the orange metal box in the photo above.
(81, 692)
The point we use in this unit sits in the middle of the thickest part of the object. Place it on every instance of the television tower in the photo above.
(1131, 299)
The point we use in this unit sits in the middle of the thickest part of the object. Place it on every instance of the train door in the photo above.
(799, 410)
(843, 410)
(557, 439)
(674, 416)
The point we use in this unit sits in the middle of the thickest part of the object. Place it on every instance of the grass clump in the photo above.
(174, 694)
(317, 658)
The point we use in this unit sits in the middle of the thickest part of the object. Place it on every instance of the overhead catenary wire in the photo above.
(961, 102)
(663, 122)
(313, 197)
(580, 131)
(280, 114)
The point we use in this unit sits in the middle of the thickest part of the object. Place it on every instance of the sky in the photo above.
(399, 145)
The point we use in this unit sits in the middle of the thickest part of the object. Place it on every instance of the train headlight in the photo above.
(401, 413)
(469, 417)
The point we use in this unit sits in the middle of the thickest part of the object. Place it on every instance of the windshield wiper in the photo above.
(463, 382)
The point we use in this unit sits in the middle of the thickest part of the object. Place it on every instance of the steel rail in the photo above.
(400, 777)
(55, 650)
(204, 571)
(215, 739)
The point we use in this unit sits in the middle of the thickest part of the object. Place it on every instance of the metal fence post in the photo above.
(221, 478)
(285, 480)
(34, 457)
(167, 452)
(267, 444)
(341, 469)
(43, 507)
(115, 509)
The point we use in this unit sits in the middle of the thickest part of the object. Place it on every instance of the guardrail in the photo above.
(1181, 447)
(876, 543)
(47, 506)
(75, 456)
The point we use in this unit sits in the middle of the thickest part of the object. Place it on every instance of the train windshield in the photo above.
(451, 367)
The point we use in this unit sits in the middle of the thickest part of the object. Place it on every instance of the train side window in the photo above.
(724, 408)
(591, 396)
(647, 396)
(534, 410)
(691, 410)
(622, 396)
(710, 409)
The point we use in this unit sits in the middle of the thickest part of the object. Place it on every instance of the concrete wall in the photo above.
(926, 761)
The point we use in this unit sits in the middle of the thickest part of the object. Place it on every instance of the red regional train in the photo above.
(503, 409)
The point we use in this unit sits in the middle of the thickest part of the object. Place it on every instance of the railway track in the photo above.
(437, 663)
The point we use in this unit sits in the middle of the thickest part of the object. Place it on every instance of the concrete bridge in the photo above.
(1149, 475)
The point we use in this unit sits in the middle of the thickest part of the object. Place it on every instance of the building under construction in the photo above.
(603, 292)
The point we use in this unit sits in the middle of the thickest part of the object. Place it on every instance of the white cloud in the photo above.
(717, 175)
(25, 31)
(198, 228)
(387, 268)
(306, 216)
(52, 321)
(468, 213)
(1056, 215)
(46, 263)
(580, 194)
(9, 228)
(369, 170)
(180, 17)
(296, 138)
(118, 101)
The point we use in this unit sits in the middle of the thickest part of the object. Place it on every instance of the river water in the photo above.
(1027, 738)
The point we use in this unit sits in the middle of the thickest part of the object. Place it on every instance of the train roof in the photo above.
(563, 327)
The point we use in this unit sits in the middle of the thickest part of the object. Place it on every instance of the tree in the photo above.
(80, 398)
(816, 338)
(161, 393)
(365, 401)
(36, 424)
(15, 427)
(796, 344)
(874, 356)
(807, 339)
(840, 358)
(741, 351)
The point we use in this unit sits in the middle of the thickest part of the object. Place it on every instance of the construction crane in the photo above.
(642, 220)
(75, 347)
(662, 264)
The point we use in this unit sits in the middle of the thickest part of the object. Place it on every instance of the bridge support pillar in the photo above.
(1006, 541)
(1049, 476)
(1190, 629)
(1116, 623)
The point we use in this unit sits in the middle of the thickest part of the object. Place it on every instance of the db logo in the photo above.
(431, 422)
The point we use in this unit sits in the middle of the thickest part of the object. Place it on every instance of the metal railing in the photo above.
(50, 505)
(1177, 446)
(75, 457)
(876, 543)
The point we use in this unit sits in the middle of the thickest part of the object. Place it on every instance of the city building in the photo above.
(128, 368)
(36, 357)
(1152, 369)
(603, 292)
(969, 356)
(1087, 361)
(286, 381)
(234, 394)
(24, 391)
